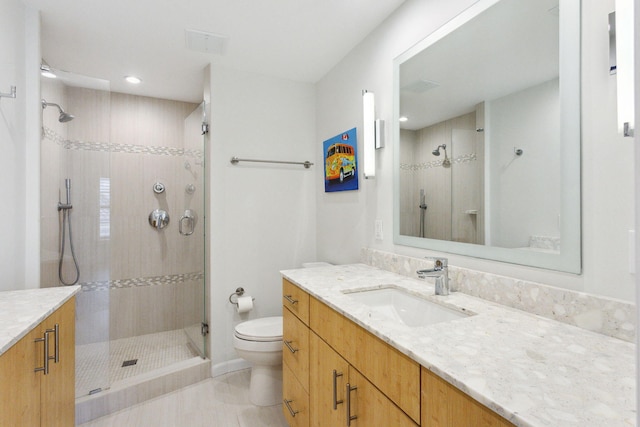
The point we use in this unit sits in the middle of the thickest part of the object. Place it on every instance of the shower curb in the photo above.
(129, 392)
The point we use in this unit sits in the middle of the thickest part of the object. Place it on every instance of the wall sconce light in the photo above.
(621, 34)
(369, 134)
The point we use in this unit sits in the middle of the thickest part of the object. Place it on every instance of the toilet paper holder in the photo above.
(238, 293)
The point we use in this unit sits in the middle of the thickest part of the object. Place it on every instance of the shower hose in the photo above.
(66, 222)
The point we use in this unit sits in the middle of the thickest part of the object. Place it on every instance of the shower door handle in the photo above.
(187, 223)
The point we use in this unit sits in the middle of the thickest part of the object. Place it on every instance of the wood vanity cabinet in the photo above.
(325, 354)
(31, 398)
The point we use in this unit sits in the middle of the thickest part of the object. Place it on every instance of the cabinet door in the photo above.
(57, 390)
(443, 405)
(370, 407)
(328, 378)
(19, 384)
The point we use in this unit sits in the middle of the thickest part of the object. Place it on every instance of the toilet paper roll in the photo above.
(245, 303)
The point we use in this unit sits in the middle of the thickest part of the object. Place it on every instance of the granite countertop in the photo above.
(531, 370)
(21, 311)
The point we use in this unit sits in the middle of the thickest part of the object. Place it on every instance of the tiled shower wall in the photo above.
(136, 278)
(453, 194)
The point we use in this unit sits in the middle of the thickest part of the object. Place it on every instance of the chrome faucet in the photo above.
(440, 271)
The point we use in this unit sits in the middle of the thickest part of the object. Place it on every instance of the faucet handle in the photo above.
(439, 263)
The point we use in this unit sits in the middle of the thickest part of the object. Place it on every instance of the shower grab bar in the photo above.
(306, 163)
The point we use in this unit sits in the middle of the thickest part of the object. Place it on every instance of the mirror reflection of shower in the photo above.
(423, 209)
(65, 208)
(64, 117)
(446, 162)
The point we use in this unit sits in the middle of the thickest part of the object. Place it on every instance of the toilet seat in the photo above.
(266, 329)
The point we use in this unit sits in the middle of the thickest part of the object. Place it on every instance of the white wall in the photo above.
(607, 158)
(517, 214)
(19, 161)
(262, 217)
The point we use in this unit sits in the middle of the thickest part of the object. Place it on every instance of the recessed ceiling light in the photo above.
(133, 80)
(403, 119)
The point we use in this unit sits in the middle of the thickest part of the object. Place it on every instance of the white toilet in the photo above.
(259, 341)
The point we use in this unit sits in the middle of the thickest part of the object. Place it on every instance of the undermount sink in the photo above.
(404, 307)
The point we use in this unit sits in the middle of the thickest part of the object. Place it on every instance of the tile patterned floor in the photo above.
(153, 351)
(219, 402)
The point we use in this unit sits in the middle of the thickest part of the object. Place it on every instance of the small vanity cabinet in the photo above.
(30, 397)
(335, 373)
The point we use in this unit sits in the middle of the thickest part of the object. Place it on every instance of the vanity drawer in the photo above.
(295, 347)
(296, 300)
(295, 400)
(392, 372)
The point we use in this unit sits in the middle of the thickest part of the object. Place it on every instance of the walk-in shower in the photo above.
(141, 308)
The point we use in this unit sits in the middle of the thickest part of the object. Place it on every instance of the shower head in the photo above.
(64, 117)
(436, 152)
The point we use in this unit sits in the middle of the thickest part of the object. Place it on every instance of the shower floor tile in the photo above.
(99, 365)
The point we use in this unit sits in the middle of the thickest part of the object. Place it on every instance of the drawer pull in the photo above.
(56, 343)
(336, 402)
(291, 349)
(291, 411)
(45, 366)
(349, 416)
(291, 300)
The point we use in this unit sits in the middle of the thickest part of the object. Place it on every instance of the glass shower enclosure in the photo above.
(134, 226)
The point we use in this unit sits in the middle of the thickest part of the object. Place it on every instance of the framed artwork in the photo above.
(340, 162)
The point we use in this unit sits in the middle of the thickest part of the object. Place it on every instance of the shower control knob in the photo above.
(158, 219)
(158, 188)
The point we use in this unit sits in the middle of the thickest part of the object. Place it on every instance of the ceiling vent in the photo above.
(420, 86)
(210, 43)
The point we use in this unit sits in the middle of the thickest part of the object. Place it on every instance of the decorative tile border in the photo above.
(103, 285)
(437, 163)
(108, 147)
(599, 314)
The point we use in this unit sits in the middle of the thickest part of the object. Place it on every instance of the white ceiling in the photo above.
(300, 40)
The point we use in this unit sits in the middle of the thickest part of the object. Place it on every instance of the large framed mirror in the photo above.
(487, 135)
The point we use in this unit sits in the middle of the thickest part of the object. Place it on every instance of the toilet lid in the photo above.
(263, 329)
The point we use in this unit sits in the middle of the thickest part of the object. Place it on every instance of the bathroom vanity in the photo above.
(37, 357)
(347, 360)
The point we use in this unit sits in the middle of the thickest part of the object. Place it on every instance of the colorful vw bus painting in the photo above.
(340, 161)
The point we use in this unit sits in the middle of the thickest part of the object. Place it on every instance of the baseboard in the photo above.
(229, 366)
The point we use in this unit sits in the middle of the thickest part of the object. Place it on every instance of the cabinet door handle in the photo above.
(291, 411)
(45, 366)
(56, 343)
(291, 349)
(291, 300)
(336, 402)
(349, 416)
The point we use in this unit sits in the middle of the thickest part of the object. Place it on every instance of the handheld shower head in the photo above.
(64, 117)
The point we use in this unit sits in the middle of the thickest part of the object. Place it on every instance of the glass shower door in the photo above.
(191, 229)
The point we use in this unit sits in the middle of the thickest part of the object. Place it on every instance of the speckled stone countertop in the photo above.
(531, 370)
(21, 311)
